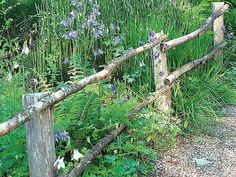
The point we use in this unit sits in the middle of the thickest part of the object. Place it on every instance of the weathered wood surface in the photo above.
(189, 66)
(40, 139)
(206, 26)
(160, 72)
(218, 26)
(56, 97)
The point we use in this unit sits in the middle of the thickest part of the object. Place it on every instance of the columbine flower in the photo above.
(67, 22)
(141, 64)
(165, 47)
(25, 49)
(77, 4)
(69, 35)
(77, 155)
(118, 40)
(95, 10)
(98, 52)
(113, 89)
(59, 163)
(34, 83)
(230, 35)
(63, 135)
(9, 77)
(98, 31)
(152, 36)
(15, 65)
(66, 60)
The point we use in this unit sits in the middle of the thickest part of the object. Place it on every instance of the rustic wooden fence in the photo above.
(37, 114)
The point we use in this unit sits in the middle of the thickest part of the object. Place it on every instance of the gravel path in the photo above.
(206, 156)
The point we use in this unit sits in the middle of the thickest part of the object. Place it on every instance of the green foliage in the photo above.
(92, 113)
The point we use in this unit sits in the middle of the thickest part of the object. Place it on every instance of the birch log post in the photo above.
(63, 93)
(218, 25)
(160, 72)
(40, 139)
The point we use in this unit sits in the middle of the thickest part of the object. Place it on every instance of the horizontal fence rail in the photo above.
(163, 82)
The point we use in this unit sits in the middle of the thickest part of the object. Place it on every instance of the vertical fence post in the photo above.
(160, 71)
(218, 26)
(40, 139)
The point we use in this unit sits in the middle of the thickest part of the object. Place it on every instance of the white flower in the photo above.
(15, 65)
(141, 64)
(77, 155)
(9, 77)
(59, 163)
(25, 49)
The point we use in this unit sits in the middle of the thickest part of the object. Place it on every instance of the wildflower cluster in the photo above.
(60, 164)
(61, 135)
(89, 23)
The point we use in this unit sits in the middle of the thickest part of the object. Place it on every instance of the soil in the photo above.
(217, 149)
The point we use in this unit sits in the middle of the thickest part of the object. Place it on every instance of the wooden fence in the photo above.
(37, 114)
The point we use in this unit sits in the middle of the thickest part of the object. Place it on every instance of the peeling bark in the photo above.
(56, 97)
(206, 26)
(187, 67)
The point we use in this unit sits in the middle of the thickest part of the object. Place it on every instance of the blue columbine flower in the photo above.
(69, 35)
(230, 35)
(151, 36)
(67, 22)
(77, 4)
(118, 40)
(61, 135)
(113, 89)
(98, 52)
(98, 31)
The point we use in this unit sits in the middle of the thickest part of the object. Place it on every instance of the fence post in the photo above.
(160, 72)
(218, 26)
(40, 139)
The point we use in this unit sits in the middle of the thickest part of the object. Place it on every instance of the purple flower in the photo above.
(98, 52)
(91, 21)
(67, 22)
(113, 89)
(117, 40)
(69, 35)
(165, 47)
(98, 31)
(77, 4)
(230, 35)
(95, 11)
(63, 135)
(151, 36)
